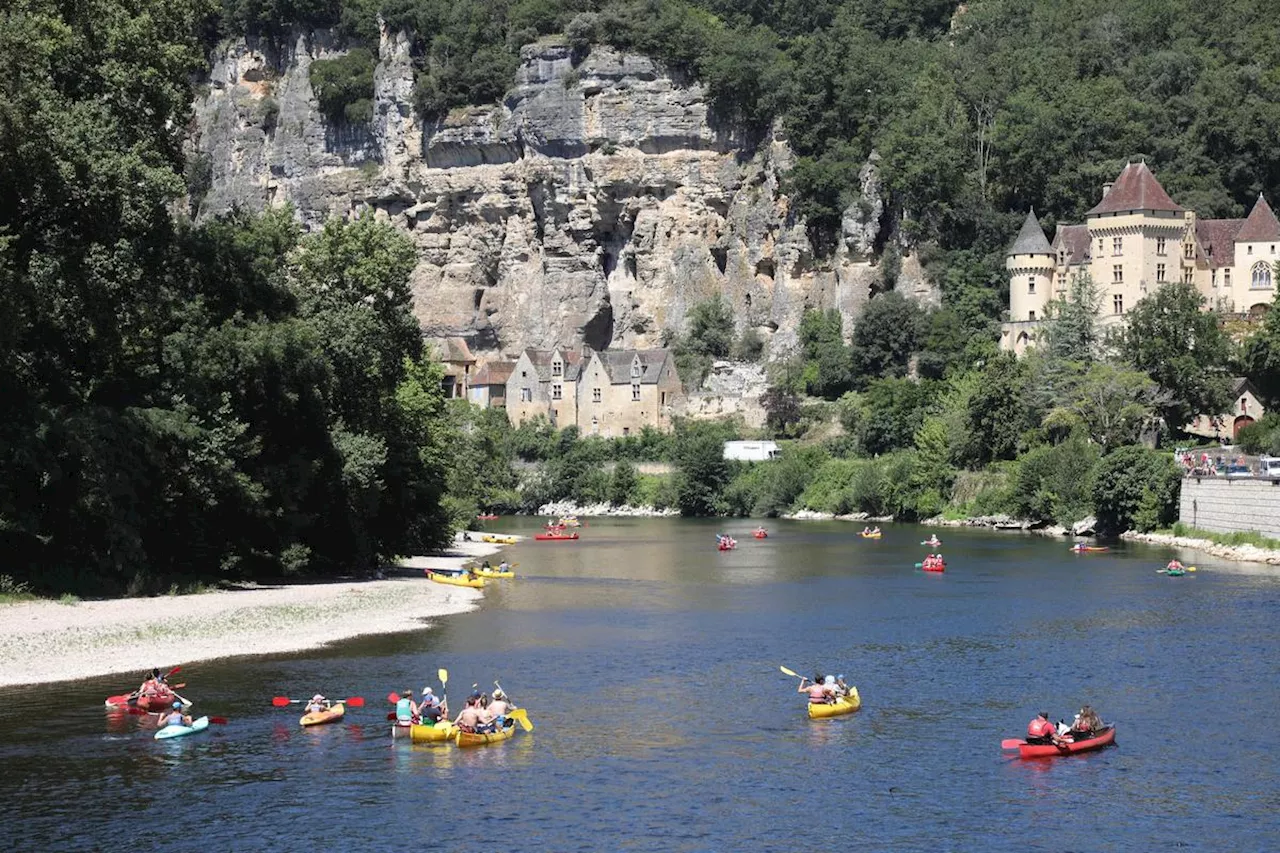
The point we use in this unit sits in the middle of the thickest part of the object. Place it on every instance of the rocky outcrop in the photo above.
(731, 389)
(596, 204)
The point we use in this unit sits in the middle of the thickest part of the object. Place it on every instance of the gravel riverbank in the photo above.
(48, 641)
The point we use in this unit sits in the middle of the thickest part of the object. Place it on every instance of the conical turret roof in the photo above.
(1260, 225)
(1031, 240)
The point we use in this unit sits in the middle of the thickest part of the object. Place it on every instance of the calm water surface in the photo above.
(649, 664)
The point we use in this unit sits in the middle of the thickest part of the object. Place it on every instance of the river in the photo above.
(649, 664)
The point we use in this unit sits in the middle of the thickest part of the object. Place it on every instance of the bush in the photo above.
(344, 86)
(1262, 436)
(1136, 488)
(1056, 483)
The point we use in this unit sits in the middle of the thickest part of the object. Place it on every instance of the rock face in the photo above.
(596, 205)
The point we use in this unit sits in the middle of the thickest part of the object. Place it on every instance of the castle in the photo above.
(1134, 240)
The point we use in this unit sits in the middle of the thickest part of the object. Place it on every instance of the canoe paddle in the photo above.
(786, 671)
(1011, 743)
(521, 717)
(285, 701)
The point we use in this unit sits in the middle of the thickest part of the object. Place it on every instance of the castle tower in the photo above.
(1030, 262)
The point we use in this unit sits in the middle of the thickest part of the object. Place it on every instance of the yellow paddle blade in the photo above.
(786, 671)
(444, 676)
(522, 718)
(1191, 568)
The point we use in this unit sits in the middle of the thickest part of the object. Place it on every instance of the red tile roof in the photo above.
(494, 373)
(1261, 224)
(1217, 239)
(1135, 189)
(1075, 239)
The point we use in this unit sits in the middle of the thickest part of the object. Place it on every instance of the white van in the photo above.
(1269, 467)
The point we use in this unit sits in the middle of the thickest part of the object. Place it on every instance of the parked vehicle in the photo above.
(1269, 467)
(1238, 472)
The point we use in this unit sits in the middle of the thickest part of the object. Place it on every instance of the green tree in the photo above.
(827, 366)
(999, 411)
(886, 336)
(1136, 488)
(1070, 331)
(623, 486)
(702, 471)
(893, 411)
(1183, 349)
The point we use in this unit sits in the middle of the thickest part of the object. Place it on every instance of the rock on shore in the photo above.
(1240, 553)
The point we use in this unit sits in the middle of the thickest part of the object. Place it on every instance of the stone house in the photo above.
(622, 391)
(1245, 409)
(545, 382)
(489, 384)
(1135, 239)
(458, 362)
(611, 393)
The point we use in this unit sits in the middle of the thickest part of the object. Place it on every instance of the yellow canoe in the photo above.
(846, 705)
(458, 580)
(433, 733)
(472, 739)
(320, 717)
(494, 573)
(870, 535)
(498, 540)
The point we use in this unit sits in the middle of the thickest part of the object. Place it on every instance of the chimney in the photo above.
(1106, 188)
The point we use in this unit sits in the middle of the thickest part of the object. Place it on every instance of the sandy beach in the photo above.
(47, 641)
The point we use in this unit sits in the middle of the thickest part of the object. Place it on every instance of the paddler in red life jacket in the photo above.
(817, 691)
(1042, 731)
(1174, 566)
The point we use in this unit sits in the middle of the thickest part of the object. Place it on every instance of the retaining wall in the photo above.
(1229, 506)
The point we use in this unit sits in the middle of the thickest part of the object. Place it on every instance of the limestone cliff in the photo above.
(597, 204)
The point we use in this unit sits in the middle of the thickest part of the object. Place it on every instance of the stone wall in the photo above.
(1231, 506)
(596, 204)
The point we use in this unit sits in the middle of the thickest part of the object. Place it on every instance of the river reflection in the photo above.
(649, 664)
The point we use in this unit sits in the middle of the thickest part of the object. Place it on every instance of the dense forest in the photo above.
(186, 404)
(231, 399)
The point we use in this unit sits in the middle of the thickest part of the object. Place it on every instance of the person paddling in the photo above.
(406, 710)
(1042, 731)
(174, 717)
(317, 704)
(817, 690)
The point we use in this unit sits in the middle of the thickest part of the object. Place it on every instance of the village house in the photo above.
(489, 384)
(622, 391)
(610, 394)
(545, 382)
(458, 362)
(1245, 410)
(1134, 240)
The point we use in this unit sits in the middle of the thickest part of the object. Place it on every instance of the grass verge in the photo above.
(1250, 537)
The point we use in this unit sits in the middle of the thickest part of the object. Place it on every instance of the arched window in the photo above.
(1261, 276)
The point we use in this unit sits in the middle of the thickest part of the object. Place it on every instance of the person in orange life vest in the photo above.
(1041, 731)
(818, 693)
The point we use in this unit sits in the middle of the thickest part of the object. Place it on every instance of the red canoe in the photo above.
(941, 568)
(760, 534)
(486, 517)
(150, 702)
(1037, 750)
(555, 537)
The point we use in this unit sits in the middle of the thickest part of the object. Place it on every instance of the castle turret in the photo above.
(1030, 262)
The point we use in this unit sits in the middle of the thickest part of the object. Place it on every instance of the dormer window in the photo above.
(1189, 251)
(557, 368)
(635, 369)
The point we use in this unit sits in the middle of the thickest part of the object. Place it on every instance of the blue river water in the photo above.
(649, 664)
